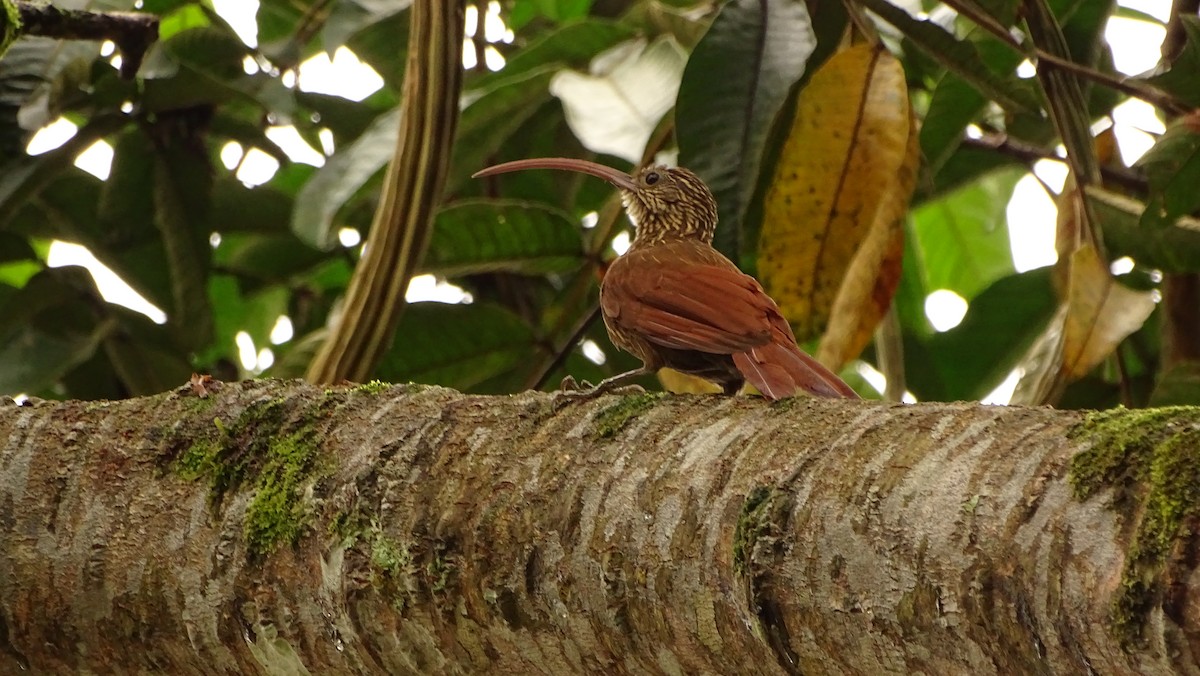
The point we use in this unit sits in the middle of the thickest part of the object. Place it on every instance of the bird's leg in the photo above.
(570, 389)
(569, 384)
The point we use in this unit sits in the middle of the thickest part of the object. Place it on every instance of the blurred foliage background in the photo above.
(813, 122)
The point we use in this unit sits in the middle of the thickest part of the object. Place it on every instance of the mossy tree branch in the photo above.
(275, 527)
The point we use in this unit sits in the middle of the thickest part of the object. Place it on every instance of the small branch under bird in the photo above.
(672, 300)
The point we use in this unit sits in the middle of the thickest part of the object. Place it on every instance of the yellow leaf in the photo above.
(838, 168)
(682, 383)
(1100, 313)
(874, 273)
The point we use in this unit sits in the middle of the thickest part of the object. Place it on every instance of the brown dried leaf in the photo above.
(1100, 314)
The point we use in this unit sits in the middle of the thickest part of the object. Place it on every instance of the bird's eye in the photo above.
(652, 178)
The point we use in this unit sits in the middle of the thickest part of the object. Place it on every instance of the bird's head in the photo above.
(664, 203)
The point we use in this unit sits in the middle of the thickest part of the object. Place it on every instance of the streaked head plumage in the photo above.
(670, 203)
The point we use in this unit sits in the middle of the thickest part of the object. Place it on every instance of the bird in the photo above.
(672, 300)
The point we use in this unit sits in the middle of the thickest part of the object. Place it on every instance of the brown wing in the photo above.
(708, 305)
(689, 307)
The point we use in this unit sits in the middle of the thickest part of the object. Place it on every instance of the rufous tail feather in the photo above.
(779, 371)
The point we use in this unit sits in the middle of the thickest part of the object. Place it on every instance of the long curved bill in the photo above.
(618, 178)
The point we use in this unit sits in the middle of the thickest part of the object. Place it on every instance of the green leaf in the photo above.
(563, 10)
(1136, 14)
(962, 237)
(966, 164)
(348, 18)
(212, 50)
(236, 208)
(273, 258)
(955, 104)
(383, 46)
(182, 195)
(734, 84)
(572, 45)
(143, 355)
(1172, 167)
(249, 134)
(205, 67)
(970, 360)
(15, 274)
(457, 346)
(959, 57)
(1183, 78)
(1179, 386)
(52, 75)
(909, 300)
(1170, 249)
(279, 24)
(615, 107)
(14, 248)
(235, 310)
(24, 177)
(490, 119)
(502, 235)
(46, 328)
(184, 18)
(346, 119)
(544, 134)
(126, 208)
(347, 171)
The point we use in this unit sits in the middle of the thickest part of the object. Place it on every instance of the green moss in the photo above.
(200, 404)
(198, 460)
(275, 447)
(752, 522)
(613, 419)
(1150, 459)
(278, 513)
(440, 570)
(393, 571)
(917, 610)
(390, 558)
(373, 387)
(12, 25)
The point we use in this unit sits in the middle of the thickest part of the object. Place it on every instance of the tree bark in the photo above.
(274, 527)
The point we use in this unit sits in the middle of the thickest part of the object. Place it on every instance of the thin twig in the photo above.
(1123, 373)
(1134, 88)
(889, 348)
(560, 355)
(985, 21)
(1029, 153)
(861, 23)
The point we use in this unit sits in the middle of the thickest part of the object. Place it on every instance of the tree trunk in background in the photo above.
(274, 527)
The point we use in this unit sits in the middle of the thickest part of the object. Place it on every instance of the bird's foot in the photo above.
(571, 390)
(569, 384)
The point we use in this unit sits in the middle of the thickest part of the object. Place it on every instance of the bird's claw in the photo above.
(570, 391)
(569, 384)
(566, 395)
